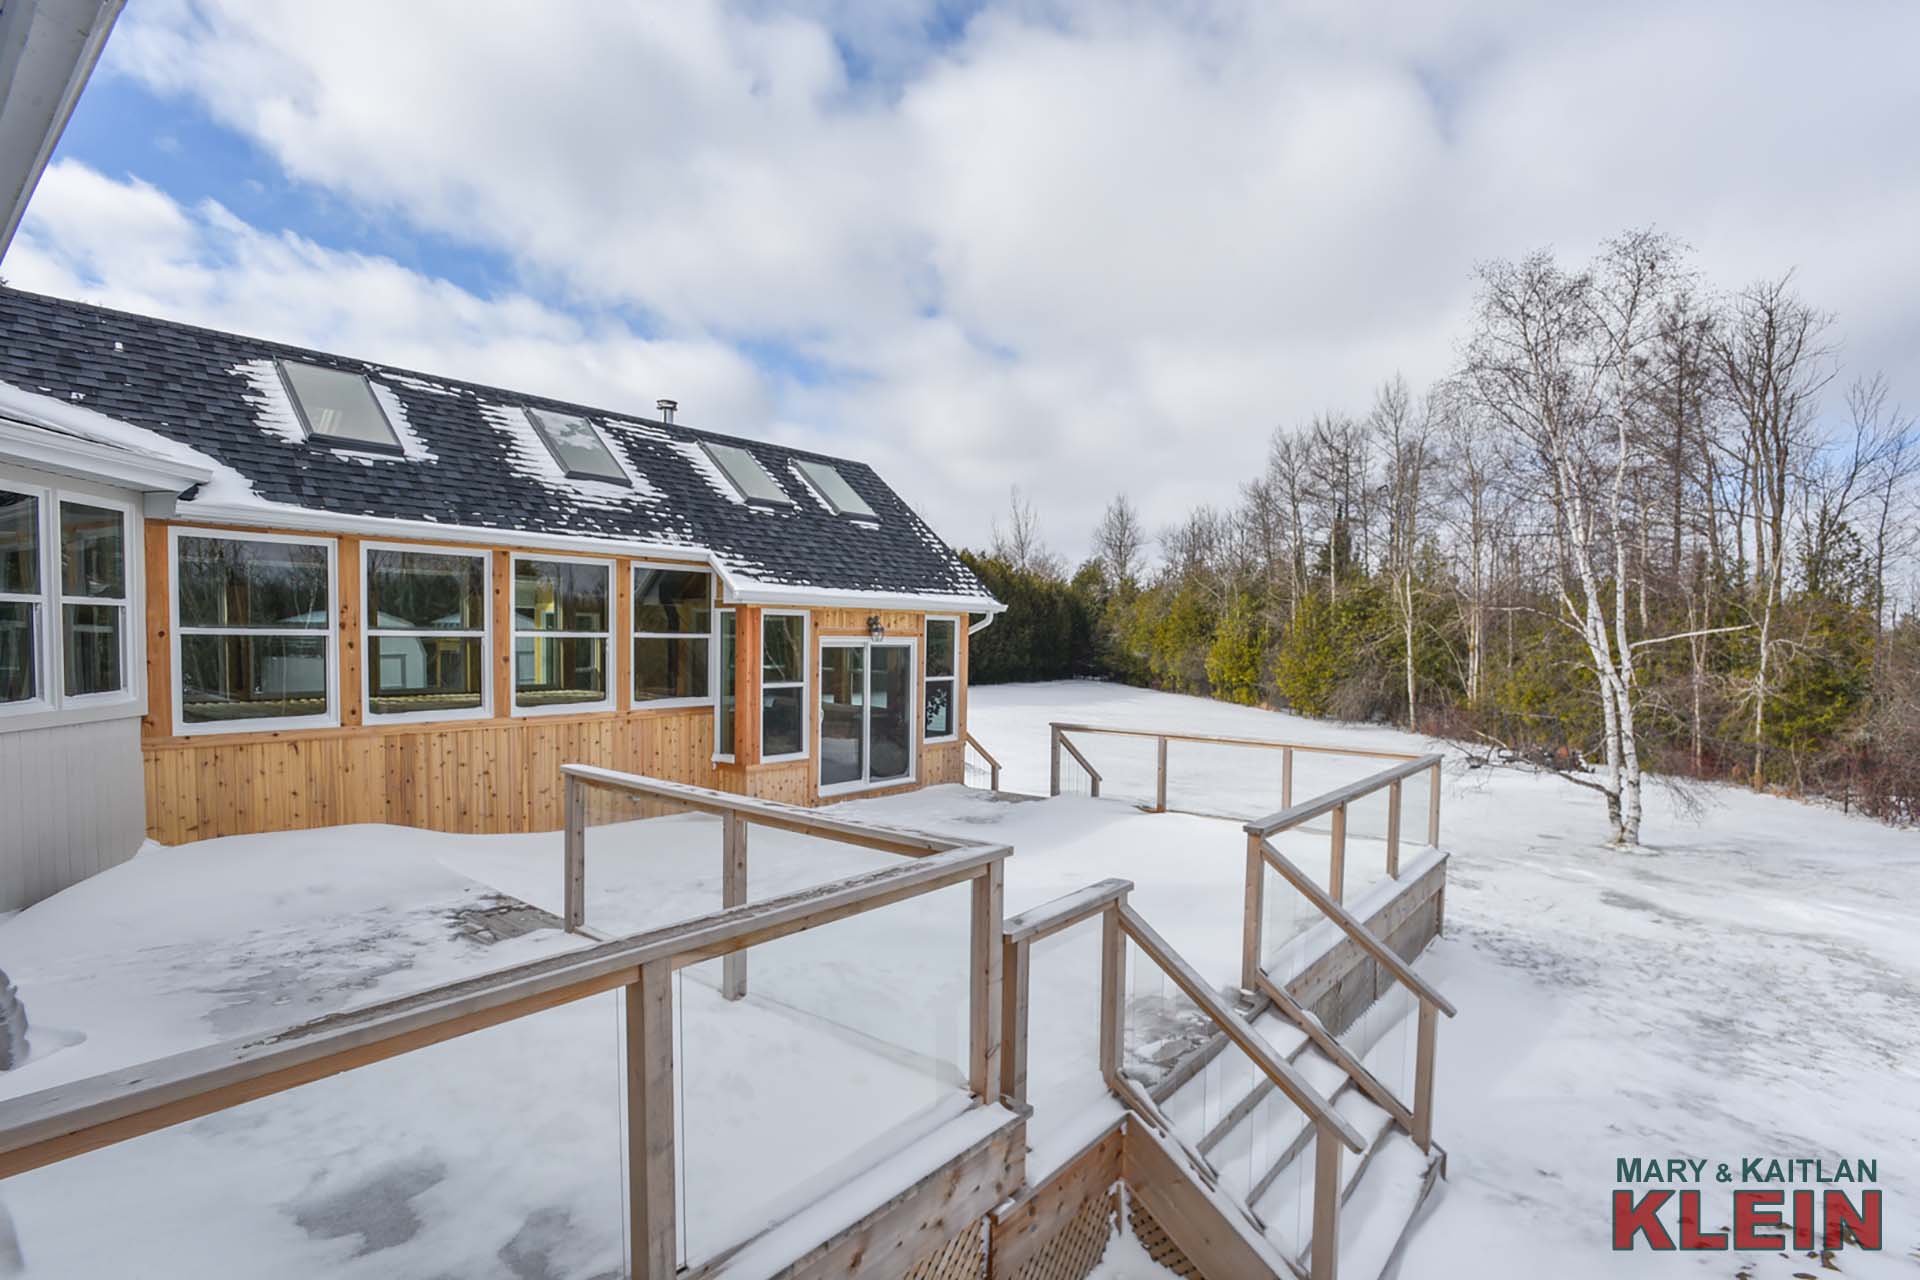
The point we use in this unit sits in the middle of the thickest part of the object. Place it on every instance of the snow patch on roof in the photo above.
(412, 447)
(273, 410)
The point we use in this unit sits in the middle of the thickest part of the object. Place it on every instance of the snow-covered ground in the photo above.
(1749, 984)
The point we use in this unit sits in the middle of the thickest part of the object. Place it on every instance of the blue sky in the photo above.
(1081, 247)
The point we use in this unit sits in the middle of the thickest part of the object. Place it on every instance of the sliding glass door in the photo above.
(867, 706)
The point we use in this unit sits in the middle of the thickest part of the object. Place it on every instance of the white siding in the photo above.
(71, 805)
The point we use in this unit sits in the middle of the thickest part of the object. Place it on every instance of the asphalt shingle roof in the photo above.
(472, 458)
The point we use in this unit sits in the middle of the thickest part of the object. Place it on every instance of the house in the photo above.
(249, 587)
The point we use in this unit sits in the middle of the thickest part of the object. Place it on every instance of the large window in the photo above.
(672, 635)
(255, 631)
(562, 624)
(425, 616)
(21, 601)
(783, 685)
(943, 682)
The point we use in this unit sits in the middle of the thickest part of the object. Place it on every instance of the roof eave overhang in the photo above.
(44, 449)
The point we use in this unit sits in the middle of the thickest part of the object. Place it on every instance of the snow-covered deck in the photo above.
(1743, 986)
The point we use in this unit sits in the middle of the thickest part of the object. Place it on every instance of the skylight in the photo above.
(831, 485)
(746, 473)
(577, 447)
(338, 407)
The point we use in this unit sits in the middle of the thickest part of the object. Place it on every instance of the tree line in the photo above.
(1641, 525)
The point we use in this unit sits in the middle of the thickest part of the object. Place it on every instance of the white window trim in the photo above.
(610, 635)
(916, 717)
(804, 683)
(719, 706)
(44, 700)
(131, 552)
(54, 705)
(712, 637)
(954, 679)
(368, 631)
(330, 661)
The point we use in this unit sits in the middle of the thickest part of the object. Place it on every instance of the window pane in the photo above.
(19, 543)
(558, 595)
(746, 473)
(890, 718)
(835, 489)
(252, 677)
(843, 699)
(407, 674)
(723, 732)
(940, 633)
(939, 708)
(671, 600)
(93, 551)
(555, 672)
(339, 407)
(227, 582)
(782, 717)
(92, 636)
(669, 669)
(425, 591)
(784, 649)
(576, 446)
(19, 645)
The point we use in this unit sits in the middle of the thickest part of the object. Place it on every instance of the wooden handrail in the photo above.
(993, 764)
(1277, 1069)
(1065, 911)
(1353, 928)
(768, 813)
(1339, 797)
(54, 1124)
(1228, 741)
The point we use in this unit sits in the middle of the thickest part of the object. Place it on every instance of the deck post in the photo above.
(1393, 830)
(1160, 785)
(1337, 858)
(1113, 995)
(1286, 777)
(573, 804)
(1423, 1076)
(1326, 1205)
(1016, 970)
(1433, 808)
(652, 1230)
(1053, 784)
(1253, 923)
(985, 1013)
(733, 893)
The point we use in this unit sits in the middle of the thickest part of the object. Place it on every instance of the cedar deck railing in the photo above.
(1416, 1115)
(69, 1120)
(1119, 925)
(1064, 746)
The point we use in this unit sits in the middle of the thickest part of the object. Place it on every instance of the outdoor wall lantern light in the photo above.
(875, 631)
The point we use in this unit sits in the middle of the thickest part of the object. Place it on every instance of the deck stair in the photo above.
(1254, 1153)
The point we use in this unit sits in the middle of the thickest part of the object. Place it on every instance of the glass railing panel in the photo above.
(1366, 845)
(849, 1044)
(497, 1153)
(1063, 1025)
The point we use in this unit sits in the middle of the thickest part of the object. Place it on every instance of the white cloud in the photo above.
(1079, 247)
